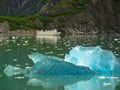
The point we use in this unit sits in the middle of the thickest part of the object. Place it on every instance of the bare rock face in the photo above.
(23, 7)
(20, 7)
(106, 14)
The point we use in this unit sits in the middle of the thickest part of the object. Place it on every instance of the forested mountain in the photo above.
(68, 16)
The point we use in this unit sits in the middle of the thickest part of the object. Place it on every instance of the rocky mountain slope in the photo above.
(68, 16)
(20, 7)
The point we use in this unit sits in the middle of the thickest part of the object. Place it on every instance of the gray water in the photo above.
(15, 48)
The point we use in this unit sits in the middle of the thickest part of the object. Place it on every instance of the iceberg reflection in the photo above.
(51, 82)
(95, 83)
(76, 83)
(48, 39)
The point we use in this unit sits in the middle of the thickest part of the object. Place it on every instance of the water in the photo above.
(15, 48)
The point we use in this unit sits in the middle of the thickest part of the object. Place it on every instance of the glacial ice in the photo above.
(38, 57)
(12, 71)
(103, 62)
(80, 61)
(48, 66)
(57, 68)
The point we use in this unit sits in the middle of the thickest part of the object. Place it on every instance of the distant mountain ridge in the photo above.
(22, 7)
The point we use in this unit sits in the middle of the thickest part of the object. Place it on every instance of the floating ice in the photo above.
(103, 62)
(80, 61)
(37, 57)
(12, 71)
(57, 68)
(48, 66)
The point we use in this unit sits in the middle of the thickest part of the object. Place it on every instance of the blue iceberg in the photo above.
(38, 57)
(12, 71)
(48, 66)
(57, 68)
(103, 62)
(80, 61)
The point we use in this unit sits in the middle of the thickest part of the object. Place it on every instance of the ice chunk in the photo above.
(12, 71)
(103, 62)
(49, 68)
(37, 57)
(80, 61)
(116, 70)
(57, 68)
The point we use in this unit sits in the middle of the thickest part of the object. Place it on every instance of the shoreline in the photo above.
(53, 32)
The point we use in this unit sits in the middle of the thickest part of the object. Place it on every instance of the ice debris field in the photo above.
(80, 60)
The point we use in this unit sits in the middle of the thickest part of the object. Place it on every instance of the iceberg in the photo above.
(80, 61)
(57, 68)
(12, 71)
(103, 62)
(48, 66)
(38, 57)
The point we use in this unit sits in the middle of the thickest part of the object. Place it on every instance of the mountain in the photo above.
(20, 7)
(68, 16)
(23, 7)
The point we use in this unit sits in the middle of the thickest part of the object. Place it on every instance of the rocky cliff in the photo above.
(20, 7)
(93, 16)
(68, 16)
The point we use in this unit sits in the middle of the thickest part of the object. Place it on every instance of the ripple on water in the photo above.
(26, 63)
(61, 55)
(17, 65)
(34, 49)
(116, 39)
(48, 53)
(19, 77)
(8, 50)
(18, 44)
(25, 44)
(1, 75)
(116, 54)
(15, 60)
(28, 67)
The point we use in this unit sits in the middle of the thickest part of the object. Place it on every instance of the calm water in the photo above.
(15, 48)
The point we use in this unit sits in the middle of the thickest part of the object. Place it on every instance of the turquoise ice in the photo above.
(48, 66)
(80, 61)
(57, 68)
(103, 62)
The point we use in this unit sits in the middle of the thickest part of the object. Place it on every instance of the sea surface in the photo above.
(14, 50)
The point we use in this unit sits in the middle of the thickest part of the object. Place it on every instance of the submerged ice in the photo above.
(80, 61)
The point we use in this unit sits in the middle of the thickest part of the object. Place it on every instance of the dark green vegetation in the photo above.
(38, 21)
(68, 16)
(26, 23)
